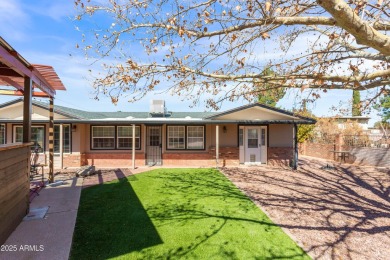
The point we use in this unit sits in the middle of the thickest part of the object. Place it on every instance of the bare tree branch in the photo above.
(220, 49)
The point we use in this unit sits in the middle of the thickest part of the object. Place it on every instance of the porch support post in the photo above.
(133, 149)
(61, 146)
(51, 140)
(27, 109)
(295, 146)
(217, 144)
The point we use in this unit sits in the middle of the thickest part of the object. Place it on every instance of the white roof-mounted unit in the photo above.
(157, 108)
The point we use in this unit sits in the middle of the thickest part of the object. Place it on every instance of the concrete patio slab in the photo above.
(49, 237)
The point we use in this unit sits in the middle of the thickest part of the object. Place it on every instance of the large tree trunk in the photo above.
(351, 22)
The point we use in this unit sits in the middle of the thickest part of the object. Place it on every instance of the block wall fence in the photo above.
(379, 157)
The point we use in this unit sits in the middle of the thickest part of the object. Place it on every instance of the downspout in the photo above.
(295, 148)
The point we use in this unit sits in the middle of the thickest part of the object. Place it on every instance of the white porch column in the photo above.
(217, 144)
(133, 148)
(61, 146)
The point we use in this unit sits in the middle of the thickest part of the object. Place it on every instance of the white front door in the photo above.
(252, 145)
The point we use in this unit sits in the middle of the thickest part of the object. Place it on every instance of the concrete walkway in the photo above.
(49, 237)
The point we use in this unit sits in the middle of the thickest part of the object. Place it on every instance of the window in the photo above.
(103, 137)
(185, 137)
(262, 136)
(125, 137)
(195, 137)
(65, 138)
(253, 138)
(37, 135)
(2, 133)
(154, 133)
(241, 137)
(176, 137)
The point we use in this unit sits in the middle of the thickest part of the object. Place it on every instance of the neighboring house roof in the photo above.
(352, 117)
(347, 117)
(274, 115)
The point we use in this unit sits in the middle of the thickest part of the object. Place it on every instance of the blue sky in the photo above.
(44, 33)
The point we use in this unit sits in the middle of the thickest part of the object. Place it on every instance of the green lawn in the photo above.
(175, 213)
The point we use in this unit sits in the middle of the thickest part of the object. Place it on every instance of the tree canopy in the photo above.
(384, 108)
(356, 106)
(269, 96)
(219, 48)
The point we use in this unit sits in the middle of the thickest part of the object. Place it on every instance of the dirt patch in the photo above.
(341, 213)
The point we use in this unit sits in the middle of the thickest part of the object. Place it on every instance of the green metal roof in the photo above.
(87, 115)
(101, 115)
(77, 115)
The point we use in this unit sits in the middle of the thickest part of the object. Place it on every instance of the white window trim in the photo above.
(131, 136)
(188, 148)
(93, 137)
(33, 126)
(70, 139)
(173, 148)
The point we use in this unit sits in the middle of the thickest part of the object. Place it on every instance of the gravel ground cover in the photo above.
(339, 213)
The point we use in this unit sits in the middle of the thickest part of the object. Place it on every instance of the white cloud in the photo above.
(56, 10)
(13, 20)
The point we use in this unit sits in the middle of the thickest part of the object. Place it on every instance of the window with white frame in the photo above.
(125, 137)
(2, 133)
(65, 138)
(195, 137)
(103, 137)
(262, 136)
(176, 137)
(37, 135)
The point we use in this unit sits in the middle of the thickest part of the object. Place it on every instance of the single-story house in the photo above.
(250, 134)
(343, 121)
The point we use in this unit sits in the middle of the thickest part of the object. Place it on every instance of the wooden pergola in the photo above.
(21, 78)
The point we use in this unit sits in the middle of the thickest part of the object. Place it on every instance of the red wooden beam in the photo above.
(20, 93)
(5, 71)
(15, 64)
(11, 82)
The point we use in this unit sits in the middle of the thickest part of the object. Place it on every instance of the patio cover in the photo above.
(27, 78)
(14, 69)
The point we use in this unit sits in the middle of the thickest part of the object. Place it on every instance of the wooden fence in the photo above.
(14, 187)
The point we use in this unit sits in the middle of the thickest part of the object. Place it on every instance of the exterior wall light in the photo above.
(224, 129)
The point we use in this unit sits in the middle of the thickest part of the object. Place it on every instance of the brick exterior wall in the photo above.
(280, 156)
(112, 160)
(318, 150)
(72, 160)
(228, 156)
